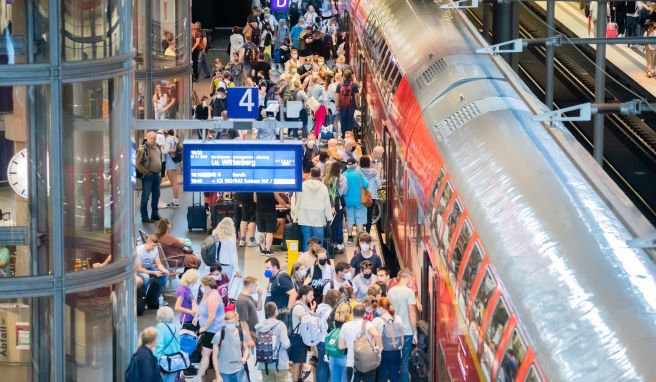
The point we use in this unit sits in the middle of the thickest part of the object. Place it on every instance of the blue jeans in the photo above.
(150, 187)
(236, 377)
(346, 119)
(322, 365)
(310, 232)
(337, 369)
(202, 63)
(405, 358)
(390, 362)
(162, 280)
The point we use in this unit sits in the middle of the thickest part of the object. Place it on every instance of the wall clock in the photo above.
(17, 173)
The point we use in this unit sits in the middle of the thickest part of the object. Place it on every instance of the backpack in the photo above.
(342, 312)
(265, 350)
(365, 355)
(345, 95)
(418, 365)
(143, 161)
(326, 132)
(177, 155)
(209, 250)
(250, 53)
(310, 329)
(332, 343)
(392, 334)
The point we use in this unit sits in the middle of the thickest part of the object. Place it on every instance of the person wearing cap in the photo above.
(356, 213)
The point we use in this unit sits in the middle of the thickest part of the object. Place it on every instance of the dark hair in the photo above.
(365, 264)
(273, 261)
(314, 240)
(383, 288)
(315, 172)
(203, 98)
(339, 267)
(232, 133)
(331, 297)
(358, 310)
(365, 161)
(303, 290)
(267, 38)
(236, 30)
(216, 267)
(270, 309)
(384, 269)
(323, 156)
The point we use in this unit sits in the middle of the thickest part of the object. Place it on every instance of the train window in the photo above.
(473, 264)
(397, 81)
(436, 189)
(533, 375)
(400, 172)
(493, 335)
(451, 222)
(391, 79)
(459, 249)
(512, 358)
(441, 206)
(480, 304)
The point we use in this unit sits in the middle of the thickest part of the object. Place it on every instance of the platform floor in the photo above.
(631, 61)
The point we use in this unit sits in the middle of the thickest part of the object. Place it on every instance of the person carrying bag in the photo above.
(175, 362)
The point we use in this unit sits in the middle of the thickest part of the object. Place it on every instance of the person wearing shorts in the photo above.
(356, 213)
(266, 218)
(246, 204)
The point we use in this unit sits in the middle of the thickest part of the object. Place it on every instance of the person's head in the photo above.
(236, 30)
(383, 288)
(386, 303)
(216, 271)
(349, 135)
(235, 56)
(232, 134)
(151, 137)
(349, 144)
(248, 37)
(310, 9)
(332, 142)
(270, 310)
(299, 271)
(348, 74)
(294, 53)
(343, 270)
(377, 153)
(370, 303)
(282, 22)
(404, 278)
(322, 257)
(333, 171)
(266, 11)
(351, 163)
(189, 278)
(224, 115)
(365, 161)
(301, 22)
(225, 230)
(205, 101)
(340, 60)
(231, 320)
(306, 294)
(162, 228)
(250, 284)
(197, 25)
(366, 269)
(271, 267)
(207, 282)
(358, 311)
(148, 337)
(364, 243)
(151, 242)
(315, 172)
(314, 244)
(165, 315)
(257, 12)
(331, 298)
(374, 291)
(346, 291)
(260, 56)
(323, 156)
(321, 61)
(383, 274)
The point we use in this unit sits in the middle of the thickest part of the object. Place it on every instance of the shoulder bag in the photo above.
(175, 362)
(365, 197)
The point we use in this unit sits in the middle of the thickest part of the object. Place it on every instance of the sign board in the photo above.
(279, 5)
(242, 166)
(243, 103)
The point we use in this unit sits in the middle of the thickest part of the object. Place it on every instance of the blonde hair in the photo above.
(147, 336)
(208, 281)
(231, 316)
(165, 315)
(189, 277)
(225, 229)
(248, 280)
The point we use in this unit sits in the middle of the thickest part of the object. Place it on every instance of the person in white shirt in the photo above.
(298, 350)
(343, 275)
(310, 16)
(390, 360)
(236, 41)
(225, 233)
(405, 304)
(149, 264)
(349, 334)
(364, 280)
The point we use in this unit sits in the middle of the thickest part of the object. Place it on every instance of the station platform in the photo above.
(631, 61)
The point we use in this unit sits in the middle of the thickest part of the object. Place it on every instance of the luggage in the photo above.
(196, 215)
(418, 365)
(332, 343)
(310, 329)
(611, 30)
(292, 232)
(221, 209)
(153, 293)
(366, 357)
(265, 349)
(141, 301)
(188, 341)
(280, 229)
(209, 250)
(393, 333)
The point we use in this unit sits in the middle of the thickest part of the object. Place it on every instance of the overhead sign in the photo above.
(242, 166)
(279, 5)
(242, 103)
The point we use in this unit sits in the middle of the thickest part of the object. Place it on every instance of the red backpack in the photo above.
(345, 95)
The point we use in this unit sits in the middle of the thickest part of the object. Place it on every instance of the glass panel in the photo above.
(170, 102)
(25, 346)
(438, 183)
(439, 210)
(16, 40)
(477, 312)
(459, 248)
(96, 334)
(140, 102)
(94, 159)
(532, 376)
(512, 358)
(473, 264)
(493, 334)
(25, 204)
(451, 223)
(91, 29)
(139, 32)
(170, 33)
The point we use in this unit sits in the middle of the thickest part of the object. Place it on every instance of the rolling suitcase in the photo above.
(292, 232)
(196, 215)
(223, 208)
(328, 242)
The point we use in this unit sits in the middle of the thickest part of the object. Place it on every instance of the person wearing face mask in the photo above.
(219, 103)
(299, 275)
(363, 280)
(278, 370)
(310, 150)
(230, 350)
(281, 287)
(298, 350)
(211, 318)
(309, 257)
(294, 59)
(366, 251)
(247, 307)
(321, 272)
(310, 15)
(343, 276)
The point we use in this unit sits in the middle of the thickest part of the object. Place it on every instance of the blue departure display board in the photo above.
(242, 166)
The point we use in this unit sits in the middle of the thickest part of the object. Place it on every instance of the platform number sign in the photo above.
(243, 103)
(279, 5)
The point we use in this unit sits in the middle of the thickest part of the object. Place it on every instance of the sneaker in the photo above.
(242, 243)
(147, 220)
(268, 253)
(340, 247)
(350, 240)
(252, 244)
(173, 205)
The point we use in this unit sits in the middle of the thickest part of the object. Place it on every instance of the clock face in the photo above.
(17, 173)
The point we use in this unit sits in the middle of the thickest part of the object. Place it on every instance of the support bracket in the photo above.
(460, 4)
(644, 242)
(512, 46)
(584, 114)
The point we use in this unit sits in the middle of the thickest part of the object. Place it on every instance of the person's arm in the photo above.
(179, 308)
(244, 346)
(212, 305)
(141, 269)
(196, 43)
(280, 200)
(242, 51)
(170, 104)
(292, 297)
(260, 299)
(412, 312)
(160, 266)
(282, 334)
(373, 332)
(341, 342)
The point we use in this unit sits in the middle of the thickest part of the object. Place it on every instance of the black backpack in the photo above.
(177, 155)
(153, 293)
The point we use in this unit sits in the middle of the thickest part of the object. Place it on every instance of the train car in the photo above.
(516, 237)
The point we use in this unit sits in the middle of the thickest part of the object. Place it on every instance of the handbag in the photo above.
(365, 197)
(175, 362)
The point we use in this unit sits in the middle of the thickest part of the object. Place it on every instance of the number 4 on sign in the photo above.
(247, 100)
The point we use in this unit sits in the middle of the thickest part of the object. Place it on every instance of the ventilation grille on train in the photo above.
(459, 118)
(431, 73)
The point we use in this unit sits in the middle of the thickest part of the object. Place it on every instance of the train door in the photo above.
(389, 166)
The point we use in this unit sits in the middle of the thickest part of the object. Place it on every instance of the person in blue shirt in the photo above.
(296, 31)
(356, 213)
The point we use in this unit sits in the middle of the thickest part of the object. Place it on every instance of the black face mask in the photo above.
(323, 261)
(353, 149)
(367, 275)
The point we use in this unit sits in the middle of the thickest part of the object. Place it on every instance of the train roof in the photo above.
(585, 299)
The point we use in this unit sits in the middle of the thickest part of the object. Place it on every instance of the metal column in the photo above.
(600, 84)
(551, 12)
(505, 26)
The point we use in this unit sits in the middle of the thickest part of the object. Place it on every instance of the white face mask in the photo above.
(347, 276)
(216, 277)
(365, 247)
(310, 144)
(301, 273)
(230, 325)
